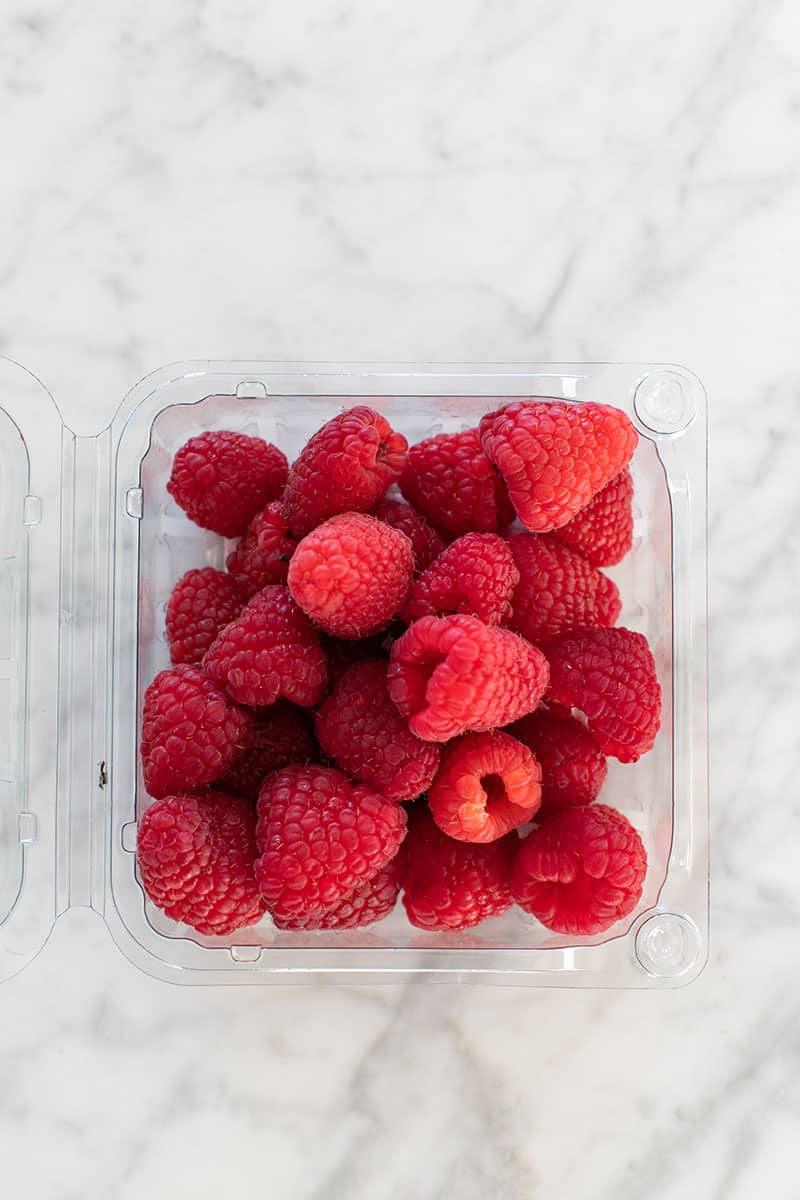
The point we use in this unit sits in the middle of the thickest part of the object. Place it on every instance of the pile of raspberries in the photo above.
(407, 681)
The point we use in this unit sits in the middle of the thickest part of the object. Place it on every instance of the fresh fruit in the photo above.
(262, 555)
(451, 885)
(371, 902)
(580, 871)
(341, 653)
(610, 675)
(195, 855)
(281, 736)
(222, 479)
(487, 785)
(320, 837)
(573, 766)
(202, 603)
(451, 674)
(191, 732)
(602, 531)
(345, 467)
(425, 541)
(475, 574)
(557, 590)
(271, 650)
(359, 728)
(352, 574)
(449, 479)
(555, 456)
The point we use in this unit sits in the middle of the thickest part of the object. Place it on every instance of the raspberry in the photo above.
(555, 456)
(271, 650)
(191, 732)
(451, 674)
(452, 483)
(196, 856)
(450, 884)
(573, 767)
(342, 654)
(558, 590)
(610, 675)
(581, 871)
(425, 541)
(370, 903)
(221, 479)
(476, 575)
(487, 785)
(262, 556)
(359, 727)
(345, 467)
(352, 574)
(320, 838)
(603, 530)
(202, 603)
(281, 736)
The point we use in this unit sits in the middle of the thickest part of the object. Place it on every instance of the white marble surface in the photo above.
(467, 180)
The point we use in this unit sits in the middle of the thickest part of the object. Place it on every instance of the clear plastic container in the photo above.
(92, 545)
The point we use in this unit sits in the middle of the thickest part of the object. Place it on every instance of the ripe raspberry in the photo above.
(202, 603)
(359, 727)
(222, 479)
(370, 903)
(452, 483)
(352, 574)
(343, 654)
(281, 736)
(573, 767)
(425, 541)
(191, 732)
(487, 785)
(555, 456)
(558, 590)
(450, 884)
(345, 467)
(610, 675)
(603, 530)
(451, 674)
(262, 556)
(196, 856)
(320, 838)
(581, 871)
(475, 574)
(271, 650)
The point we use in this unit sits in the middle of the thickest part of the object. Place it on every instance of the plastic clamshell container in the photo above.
(92, 545)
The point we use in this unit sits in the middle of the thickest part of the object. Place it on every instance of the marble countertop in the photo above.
(460, 181)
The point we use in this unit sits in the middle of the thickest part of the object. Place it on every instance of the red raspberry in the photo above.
(345, 467)
(359, 727)
(196, 856)
(352, 574)
(610, 675)
(558, 590)
(191, 732)
(370, 903)
(202, 603)
(581, 871)
(425, 541)
(450, 884)
(452, 483)
(222, 479)
(475, 574)
(281, 736)
(271, 650)
(487, 785)
(343, 654)
(262, 556)
(603, 530)
(555, 456)
(451, 674)
(320, 838)
(573, 766)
